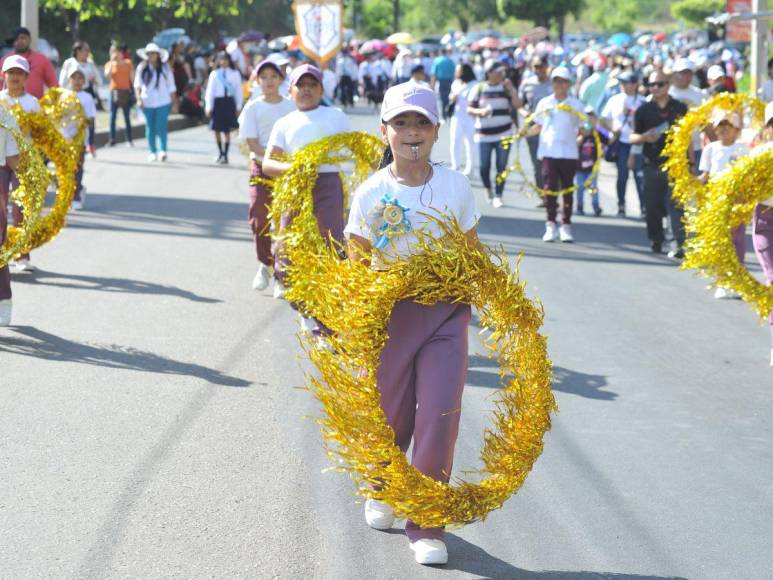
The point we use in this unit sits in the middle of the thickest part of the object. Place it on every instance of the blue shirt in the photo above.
(443, 68)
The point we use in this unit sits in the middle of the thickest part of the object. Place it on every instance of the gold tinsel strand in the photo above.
(729, 201)
(517, 166)
(356, 302)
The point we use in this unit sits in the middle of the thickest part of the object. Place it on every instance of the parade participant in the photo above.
(588, 155)
(419, 75)
(77, 85)
(532, 90)
(16, 71)
(717, 80)
(41, 75)
(617, 117)
(442, 75)
(80, 59)
(223, 101)
(650, 123)
(762, 222)
(462, 124)
(424, 361)
(255, 124)
(346, 73)
(9, 160)
(683, 90)
(403, 65)
(119, 71)
(716, 158)
(490, 102)
(309, 123)
(156, 96)
(283, 64)
(373, 78)
(557, 132)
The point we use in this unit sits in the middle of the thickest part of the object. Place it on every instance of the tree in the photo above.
(695, 12)
(542, 12)
(615, 15)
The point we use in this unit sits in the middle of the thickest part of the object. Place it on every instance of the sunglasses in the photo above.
(659, 84)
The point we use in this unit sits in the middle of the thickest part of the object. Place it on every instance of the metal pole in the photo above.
(29, 19)
(759, 56)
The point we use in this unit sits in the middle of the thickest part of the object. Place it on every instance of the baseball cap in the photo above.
(732, 117)
(628, 76)
(491, 65)
(278, 59)
(305, 69)
(407, 97)
(271, 64)
(715, 72)
(561, 72)
(16, 61)
(77, 69)
(768, 112)
(681, 65)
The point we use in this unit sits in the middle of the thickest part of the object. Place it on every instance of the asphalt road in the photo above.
(151, 425)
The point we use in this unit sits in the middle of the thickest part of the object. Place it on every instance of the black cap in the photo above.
(19, 31)
(628, 76)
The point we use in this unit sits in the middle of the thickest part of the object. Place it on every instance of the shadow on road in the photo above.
(470, 559)
(39, 344)
(565, 380)
(73, 281)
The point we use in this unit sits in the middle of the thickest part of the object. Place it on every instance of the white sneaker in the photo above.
(726, 294)
(497, 202)
(24, 265)
(262, 278)
(77, 205)
(551, 232)
(152, 158)
(430, 551)
(279, 290)
(308, 325)
(771, 350)
(162, 156)
(7, 305)
(565, 233)
(378, 515)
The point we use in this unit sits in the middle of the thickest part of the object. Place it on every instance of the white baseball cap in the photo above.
(681, 65)
(16, 61)
(561, 72)
(768, 112)
(715, 72)
(407, 97)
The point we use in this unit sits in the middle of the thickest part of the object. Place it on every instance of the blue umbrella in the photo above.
(620, 39)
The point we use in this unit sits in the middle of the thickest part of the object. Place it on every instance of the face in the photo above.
(540, 69)
(683, 79)
(15, 79)
(22, 43)
(496, 76)
(307, 93)
(410, 136)
(83, 53)
(153, 57)
(561, 87)
(77, 81)
(658, 85)
(630, 88)
(222, 62)
(269, 80)
(727, 132)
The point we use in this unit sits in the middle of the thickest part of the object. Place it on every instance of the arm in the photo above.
(209, 97)
(12, 161)
(534, 130)
(273, 167)
(359, 249)
(255, 147)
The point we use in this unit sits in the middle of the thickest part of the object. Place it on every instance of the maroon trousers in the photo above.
(762, 236)
(558, 174)
(260, 202)
(5, 274)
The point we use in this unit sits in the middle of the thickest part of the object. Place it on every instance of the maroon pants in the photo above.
(328, 209)
(260, 202)
(558, 174)
(762, 236)
(421, 379)
(5, 274)
(739, 241)
(9, 182)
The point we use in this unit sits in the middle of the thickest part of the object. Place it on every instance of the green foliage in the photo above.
(695, 12)
(542, 12)
(376, 18)
(614, 15)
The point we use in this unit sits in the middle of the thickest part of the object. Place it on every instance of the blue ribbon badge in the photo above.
(390, 219)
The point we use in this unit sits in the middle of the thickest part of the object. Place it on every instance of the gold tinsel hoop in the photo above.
(356, 302)
(58, 109)
(517, 166)
(729, 202)
(30, 195)
(686, 187)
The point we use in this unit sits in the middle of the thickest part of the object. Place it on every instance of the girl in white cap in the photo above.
(255, 125)
(156, 96)
(424, 362)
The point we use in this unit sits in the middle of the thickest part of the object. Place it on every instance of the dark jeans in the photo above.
(659, 204)
(346, 91)
(485, 150)
(126, 118)
(444, 90)
(533, 143)
(624, 152)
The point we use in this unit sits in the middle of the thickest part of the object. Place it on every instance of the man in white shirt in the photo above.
(684, 91)
(558, 151)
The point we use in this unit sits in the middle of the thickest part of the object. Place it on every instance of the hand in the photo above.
(508, 84)
(651, 136)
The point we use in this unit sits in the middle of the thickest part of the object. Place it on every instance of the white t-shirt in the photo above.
(619, 112)
(223, 83)
(89, 111)
(28, 102)
(158, 92)
(300, 128)
(716, 157)
(692, 97)
(447, 192)
(258, 118)
(558, 138)
(461, 91)
(8, 147)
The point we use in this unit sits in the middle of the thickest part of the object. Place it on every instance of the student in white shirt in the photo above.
(255, 124)
(683, 90)
(222, 103)
(425, 355)
(346, 72)
(558, 151)
(15, 72)
(309, 123)
(9, 161)
(77, 84)
(462, 124)
(156, 96)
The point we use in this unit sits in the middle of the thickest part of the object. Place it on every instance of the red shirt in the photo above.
(42, 75)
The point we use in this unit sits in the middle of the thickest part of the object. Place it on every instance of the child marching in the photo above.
(9, 160)
(77, 83)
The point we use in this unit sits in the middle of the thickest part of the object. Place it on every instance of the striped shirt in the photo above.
(499, 123)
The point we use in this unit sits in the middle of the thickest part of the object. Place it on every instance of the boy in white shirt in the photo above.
(77, 82)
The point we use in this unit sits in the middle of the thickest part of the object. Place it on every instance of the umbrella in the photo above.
(373, 46)
(620, 39)
(535, 34)
(488, 42)
(251, 36)
(644, 39)
(401, 38)
(659, 37)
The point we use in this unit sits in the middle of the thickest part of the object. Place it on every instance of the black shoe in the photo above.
(657, 248)
(580, 211)
(597, 211)
(676, 254)
(620, 211)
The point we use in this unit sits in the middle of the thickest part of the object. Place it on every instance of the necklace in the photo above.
(430, 173)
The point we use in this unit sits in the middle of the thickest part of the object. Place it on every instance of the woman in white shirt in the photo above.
(156, 96)
(222, 103)
(462, 124)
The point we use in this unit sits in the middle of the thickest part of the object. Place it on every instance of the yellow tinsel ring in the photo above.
(58, 109)
(356, 302)
(30, 195)
(729, 202)
(686, 187)
(517, 166)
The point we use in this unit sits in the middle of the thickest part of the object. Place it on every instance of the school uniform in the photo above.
(223, 99)
(69, 132)
(424, 361)
(256, 121)
(8, 148)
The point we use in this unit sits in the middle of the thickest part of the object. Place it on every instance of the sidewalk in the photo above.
(102, 137)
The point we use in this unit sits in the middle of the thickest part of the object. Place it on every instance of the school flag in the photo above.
(319, 25)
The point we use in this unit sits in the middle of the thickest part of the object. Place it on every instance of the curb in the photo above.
(176, 123)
